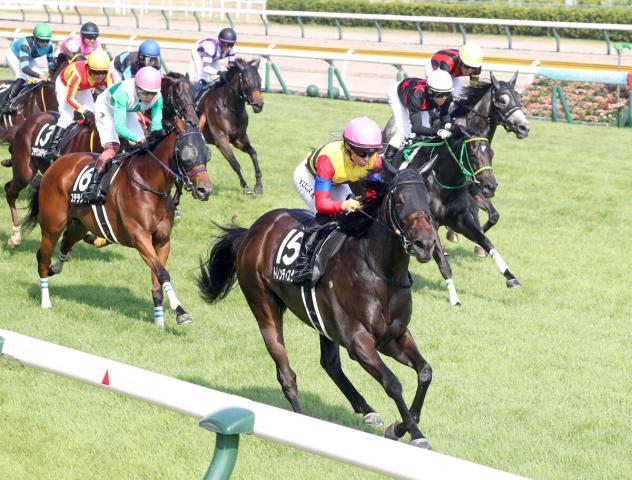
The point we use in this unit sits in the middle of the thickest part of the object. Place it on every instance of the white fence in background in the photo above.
(344, 444)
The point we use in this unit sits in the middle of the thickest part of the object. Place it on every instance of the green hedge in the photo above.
(618, 15)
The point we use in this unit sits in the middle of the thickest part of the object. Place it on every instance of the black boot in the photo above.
(199, 86)
(303, 269)
(53, 150)
(13, 91)
(93, 192)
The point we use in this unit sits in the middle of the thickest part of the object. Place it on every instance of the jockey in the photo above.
(460, 64)
(412, 101)
(115, 111)
(21, 57)
(83, 44)
(127, 64)
(208, 52)
(73, 88)
(322, 178)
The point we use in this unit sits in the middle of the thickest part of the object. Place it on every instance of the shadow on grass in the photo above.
(312, 403)
(80, 252)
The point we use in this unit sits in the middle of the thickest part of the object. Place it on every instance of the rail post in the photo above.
(47, 12)
(197, 19)
(61, 13)
(339, 28)
(421, 33)
(463, 34)
(557, 39)
(166, 18)
(300, 24)
(555, 92)
(508, 32)
(107, 17)
(265, 24)
(342, 83)
(270, 64)
(78, 14)
(608, 42)
(379, 31)
(228, 424)
(135, 17)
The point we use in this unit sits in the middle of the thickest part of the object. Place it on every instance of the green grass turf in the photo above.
(535, 381)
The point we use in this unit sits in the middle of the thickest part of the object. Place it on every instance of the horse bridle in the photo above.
(503, 117)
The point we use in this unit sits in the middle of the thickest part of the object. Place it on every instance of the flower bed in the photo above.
(587, 102)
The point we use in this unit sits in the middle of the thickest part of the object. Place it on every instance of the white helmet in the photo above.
(440, 81)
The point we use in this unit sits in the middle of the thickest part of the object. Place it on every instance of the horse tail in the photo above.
(218, 272)
(31, 219)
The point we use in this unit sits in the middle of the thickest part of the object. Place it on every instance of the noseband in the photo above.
(502, 117)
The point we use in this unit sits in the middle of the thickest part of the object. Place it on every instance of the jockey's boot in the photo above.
(199, 86)
(390, 153)
(13, 91)
(93, 192)
(53, 150)
(303, 269)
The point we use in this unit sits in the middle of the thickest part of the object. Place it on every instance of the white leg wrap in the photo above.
(173, 300)
(500, 263)
(159, 316)
(454, 298)
(45, 295)
(15, 239)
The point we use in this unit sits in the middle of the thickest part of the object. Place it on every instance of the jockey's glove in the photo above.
(443, 133)
(88, 115)
(350, 205)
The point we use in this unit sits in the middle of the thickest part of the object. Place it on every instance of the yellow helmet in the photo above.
(99, 60)
(471, 55)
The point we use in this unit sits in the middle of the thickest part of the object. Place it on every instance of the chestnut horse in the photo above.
(224, 119)
(363, 297)
(138, 211)
(34, 98)
(25, 166)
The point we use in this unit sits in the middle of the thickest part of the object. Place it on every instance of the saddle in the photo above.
(328, 241)
(201, 94)
(11, 107)
(83, 178)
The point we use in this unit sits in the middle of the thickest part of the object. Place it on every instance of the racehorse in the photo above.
(451, 167)
(364, 295)
(36, 98)
(224, 119)
(139, 210)
(482, 109)
(84, 138)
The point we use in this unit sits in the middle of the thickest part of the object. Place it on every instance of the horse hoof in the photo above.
(390, 432)
(11, 244)
(177, 214)
(259, 190)
(452, 237)
(480, 251)
(421, 443)
(372, 418)
(247, 191)
(55, 269)
(513, 283)
(183, 319)
(7, 163)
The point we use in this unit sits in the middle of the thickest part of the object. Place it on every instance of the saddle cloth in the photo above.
(329, 241)
(41, 144)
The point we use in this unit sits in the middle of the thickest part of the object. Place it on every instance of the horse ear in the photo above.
(389, 171)
(255, 62)
(494, 81)
(512, 82)
(186, 76)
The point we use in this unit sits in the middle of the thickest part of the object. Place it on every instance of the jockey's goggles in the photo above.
(152, 61)
(224, 45)
(363, 152)
(89, 37)
(434, 94)
(144, 93)
(98, 73)
(41, 41)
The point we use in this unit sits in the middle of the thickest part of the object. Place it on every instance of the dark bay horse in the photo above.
(139, 209)
(451, 167)
(364, 296)
(25, 166)
(37, 98)
(224, 119)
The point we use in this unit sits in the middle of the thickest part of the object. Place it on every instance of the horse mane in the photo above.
(175, 75)
(234, 68)
(357, 224)
(470, 97)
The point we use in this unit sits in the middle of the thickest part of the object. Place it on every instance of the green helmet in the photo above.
(42, 31)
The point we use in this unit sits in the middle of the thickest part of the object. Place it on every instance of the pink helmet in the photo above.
(148, 79)
(362, 132)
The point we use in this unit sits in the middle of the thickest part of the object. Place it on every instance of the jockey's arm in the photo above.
(322, 188)
(25, 61)
(72, 87)
(120, 100)
(50, 58)
(417, 126)
(156, 115)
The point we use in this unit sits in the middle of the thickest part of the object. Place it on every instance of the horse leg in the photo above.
(452, 236)
(223, 145)
(362, 349)
(73, 233)
(13, 189)
(244, 145)
(330, 361)
(156, 290)
(268, 312)
(446, 272)
(148, 254)
(468, 225)
(405, 351)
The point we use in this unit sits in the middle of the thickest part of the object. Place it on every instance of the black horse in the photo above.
(224, 119)
(451, 167)
(363, 298)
